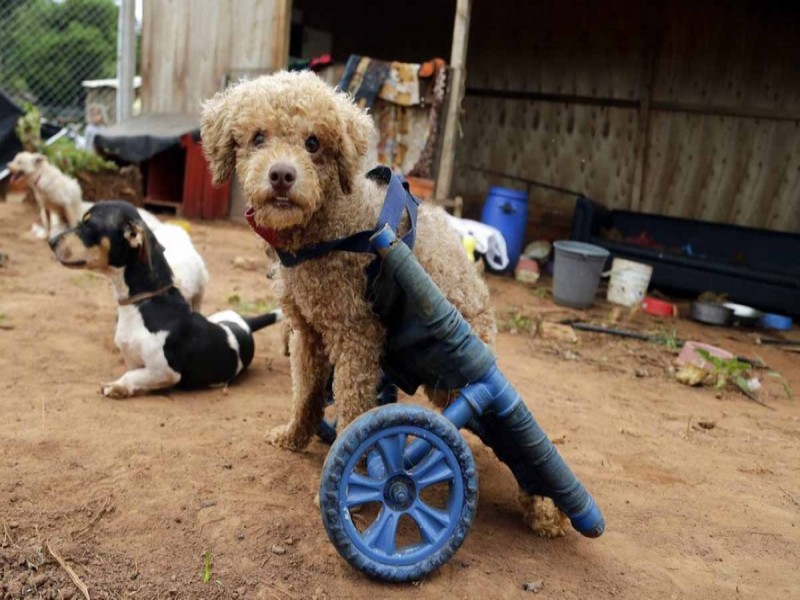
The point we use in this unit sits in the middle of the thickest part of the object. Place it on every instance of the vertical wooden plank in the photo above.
(458, 59)
(146, 67)
(652, 27)
(187, 45)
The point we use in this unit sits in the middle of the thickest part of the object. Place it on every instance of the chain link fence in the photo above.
(48, 48)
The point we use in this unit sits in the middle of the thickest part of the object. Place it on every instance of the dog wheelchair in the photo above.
(390, 455)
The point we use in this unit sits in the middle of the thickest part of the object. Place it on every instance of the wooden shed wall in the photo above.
(189, 45)
(682, 108)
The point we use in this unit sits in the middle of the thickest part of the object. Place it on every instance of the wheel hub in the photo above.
(399, 492)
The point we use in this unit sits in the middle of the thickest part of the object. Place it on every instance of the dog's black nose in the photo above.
(282, 177)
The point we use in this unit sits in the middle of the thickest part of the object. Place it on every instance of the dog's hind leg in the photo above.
(45, 219)
(310, 372)
(141, 380)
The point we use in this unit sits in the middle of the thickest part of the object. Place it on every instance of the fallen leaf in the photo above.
(556, 331)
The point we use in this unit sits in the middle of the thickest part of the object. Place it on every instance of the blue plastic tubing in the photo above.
(493, 393)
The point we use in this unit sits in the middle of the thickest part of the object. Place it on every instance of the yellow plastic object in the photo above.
(185, 225)
(469, 245)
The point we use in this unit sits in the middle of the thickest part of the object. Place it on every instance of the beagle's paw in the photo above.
(116, 390)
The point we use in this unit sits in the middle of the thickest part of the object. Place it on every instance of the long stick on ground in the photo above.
(72, 575)
(756, 363)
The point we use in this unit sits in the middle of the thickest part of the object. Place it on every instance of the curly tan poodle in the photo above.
(299, 148)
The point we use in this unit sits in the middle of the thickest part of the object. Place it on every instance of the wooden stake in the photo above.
(458, 63)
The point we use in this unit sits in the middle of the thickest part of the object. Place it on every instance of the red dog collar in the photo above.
(269, 235)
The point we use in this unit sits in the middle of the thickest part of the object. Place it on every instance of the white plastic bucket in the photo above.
(629, 282)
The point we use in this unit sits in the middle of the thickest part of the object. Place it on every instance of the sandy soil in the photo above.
(132, 493)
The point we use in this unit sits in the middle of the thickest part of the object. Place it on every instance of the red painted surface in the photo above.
(165, 176)
(201, 199)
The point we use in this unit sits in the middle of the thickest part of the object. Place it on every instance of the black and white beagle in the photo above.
(162, 341)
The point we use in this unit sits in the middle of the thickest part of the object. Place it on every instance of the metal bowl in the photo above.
(711, 313)
(744, 315)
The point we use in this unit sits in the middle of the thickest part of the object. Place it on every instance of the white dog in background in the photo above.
(57, 195)
(188, 269)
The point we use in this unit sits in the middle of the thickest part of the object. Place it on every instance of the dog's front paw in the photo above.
(284, 437)
(543, 516)
(39, 232)
(116, 390)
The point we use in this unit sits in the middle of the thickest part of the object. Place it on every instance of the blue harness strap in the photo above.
(358, 242)
(398, 200)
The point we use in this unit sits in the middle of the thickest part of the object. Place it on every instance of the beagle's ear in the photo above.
(38, 159)
(217, 135)
(134, 234)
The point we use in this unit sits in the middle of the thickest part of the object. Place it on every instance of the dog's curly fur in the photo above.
(268, 121)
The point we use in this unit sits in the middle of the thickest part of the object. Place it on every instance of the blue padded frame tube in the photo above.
(489, 405)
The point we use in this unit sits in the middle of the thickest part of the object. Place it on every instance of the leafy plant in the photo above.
(517, 323)
(727, 370)
(207, 566)
(786, 387)
(247, 308)
(29, 128)
(670, 339)
(72, 160)
(62, 153)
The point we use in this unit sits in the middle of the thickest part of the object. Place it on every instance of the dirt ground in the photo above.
(132, 493)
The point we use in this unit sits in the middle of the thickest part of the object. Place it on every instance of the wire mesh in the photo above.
(48, 48)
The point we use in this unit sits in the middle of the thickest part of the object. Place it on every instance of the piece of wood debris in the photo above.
(72, 575)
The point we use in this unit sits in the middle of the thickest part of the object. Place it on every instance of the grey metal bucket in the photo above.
(576, 273)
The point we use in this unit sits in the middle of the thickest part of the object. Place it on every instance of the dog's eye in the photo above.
(259, 139)
(312, 144)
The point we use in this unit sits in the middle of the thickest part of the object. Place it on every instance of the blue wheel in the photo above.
(388, 515)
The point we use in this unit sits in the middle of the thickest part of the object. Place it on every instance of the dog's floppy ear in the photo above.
(217, 135)
(38, 159)
(134, 233)
(357, 132)
(136, 236)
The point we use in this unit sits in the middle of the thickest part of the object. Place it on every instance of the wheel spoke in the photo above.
(392, 448)
(431, 521)
(362, 490)
(382, 534)
(433, 469)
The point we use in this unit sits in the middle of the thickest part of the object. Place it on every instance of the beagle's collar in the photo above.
(136, 299)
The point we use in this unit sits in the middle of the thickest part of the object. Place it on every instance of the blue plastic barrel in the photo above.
(507, 210)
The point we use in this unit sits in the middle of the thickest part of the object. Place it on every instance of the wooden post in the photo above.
(458, 62)
(126, 58)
